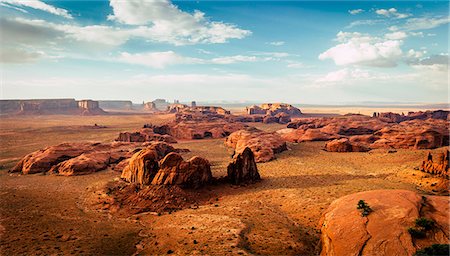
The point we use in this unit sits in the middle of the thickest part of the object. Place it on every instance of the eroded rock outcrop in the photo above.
(143, 165)
(371, 132)
(273, 109)
(173, 170)
(264, 145)
(415, 134)
(243, 169)
(74, 158)
(439, 166)
(421, 115)
(145, 135)
(51, 106)
(385, 230)
(201, 130)
(345, 145)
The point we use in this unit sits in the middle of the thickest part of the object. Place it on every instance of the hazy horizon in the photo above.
(298, 52)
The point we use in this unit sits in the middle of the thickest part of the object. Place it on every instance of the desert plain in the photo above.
(55, 215)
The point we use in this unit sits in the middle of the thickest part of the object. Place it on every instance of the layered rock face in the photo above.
(273, 109)
(50, 106)
(439, 166)
(370, 132)
(173, 170)
(145, 134)
(385, 230)
(74, 158)
(264, 145)
(243, 168)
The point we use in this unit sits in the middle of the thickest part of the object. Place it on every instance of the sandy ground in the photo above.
(44, 214)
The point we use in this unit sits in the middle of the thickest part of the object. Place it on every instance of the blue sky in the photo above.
(291, 51)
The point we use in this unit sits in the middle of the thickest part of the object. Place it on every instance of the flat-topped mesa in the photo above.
(439, 166)
(273, 109)
(51, 106)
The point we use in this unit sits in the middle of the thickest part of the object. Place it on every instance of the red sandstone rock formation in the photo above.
(397, 118)
(415, 134)
(243, 168)
(273, 109)
(371, 132)
(385, 230)
(74, 158)
(51, 106)
(202, 130)
(173, 170)
(345, 145)
(145, 134)
(264, 145)
(439, 167)
(143, 165)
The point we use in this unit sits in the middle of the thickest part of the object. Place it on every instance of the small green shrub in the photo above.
(434, 250)
(416, 232)
(364, 208)
(425, 223)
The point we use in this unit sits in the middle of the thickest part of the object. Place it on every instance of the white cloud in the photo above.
(39, 5)
(11, 55)
(277, 43)
(234, 59)
(392, 12)
(399, 35)
(415, 54)
(13, 7)
(425, 23)
(365, 23)
(168, 58)
(161, 21)
(344, 75)
(356, 11)
(360, 49)
(156, 59)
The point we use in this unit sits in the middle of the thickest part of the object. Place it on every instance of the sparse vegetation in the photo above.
(416, 232)
(364, 208)
(425, 223)
(434, 250)
(422, 226)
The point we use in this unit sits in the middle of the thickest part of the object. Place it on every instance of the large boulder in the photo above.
(243, 168)
(384, 231)
(194, 173)
(85, 163)
(345, 145)
(264, 145)
(143, 165)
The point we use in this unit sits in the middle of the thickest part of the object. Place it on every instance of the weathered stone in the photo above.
(243, 169)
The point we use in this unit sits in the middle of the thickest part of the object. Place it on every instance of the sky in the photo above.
(310, 52)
